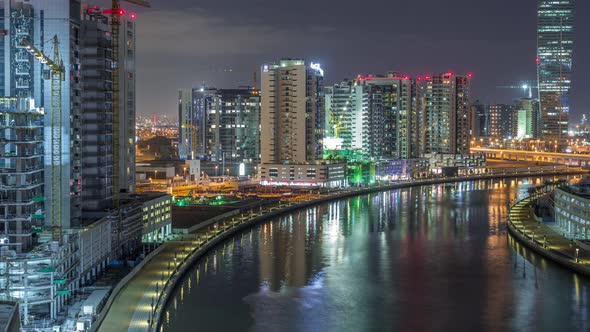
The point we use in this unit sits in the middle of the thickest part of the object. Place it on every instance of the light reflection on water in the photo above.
(435, 258)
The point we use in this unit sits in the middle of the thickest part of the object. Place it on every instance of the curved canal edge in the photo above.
(544, 240)
(158, 282)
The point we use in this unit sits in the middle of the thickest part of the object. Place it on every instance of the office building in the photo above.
(480, 120)
(156, 217)
(555, 43)
(572, 210)
(444, 108)
(229, 127)
(525, 110)
(187, 127)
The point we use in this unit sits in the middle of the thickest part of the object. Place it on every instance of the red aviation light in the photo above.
(426, 77)
(120, 12)
(419, 78)
(406, 77)
(132, 16)
(537, 60)
(470, 75)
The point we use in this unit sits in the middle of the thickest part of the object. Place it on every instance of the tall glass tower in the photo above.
(555, 43)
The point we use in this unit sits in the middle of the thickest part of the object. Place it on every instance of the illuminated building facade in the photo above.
(502, 119)
(374, 114)
(444, 109)
(22, 75)
(187, 130)
(526, 108)
(292, 112)
(555, 43)
(572, 210)
(230, 127)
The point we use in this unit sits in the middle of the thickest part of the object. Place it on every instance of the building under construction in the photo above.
(21, 172)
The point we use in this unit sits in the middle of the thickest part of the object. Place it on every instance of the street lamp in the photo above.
(185, 173)
(216, 166)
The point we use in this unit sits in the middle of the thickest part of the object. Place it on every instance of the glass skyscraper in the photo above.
(555, 42)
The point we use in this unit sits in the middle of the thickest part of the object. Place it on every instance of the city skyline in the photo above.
(227, 48)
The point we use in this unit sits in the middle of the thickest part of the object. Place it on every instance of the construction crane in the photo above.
(57, 77)
(526, 86)
(116, 13)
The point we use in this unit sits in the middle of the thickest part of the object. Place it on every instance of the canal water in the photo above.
(433, 258)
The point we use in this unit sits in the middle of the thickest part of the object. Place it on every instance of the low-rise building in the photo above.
(157, 217)
(321, 174)
(94, 243)
(572, 209)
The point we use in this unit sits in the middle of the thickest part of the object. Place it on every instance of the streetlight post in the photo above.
(185, 174)
(577, 255)
(545, 241)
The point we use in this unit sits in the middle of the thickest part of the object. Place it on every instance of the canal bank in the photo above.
(139, 304)
(544, 240)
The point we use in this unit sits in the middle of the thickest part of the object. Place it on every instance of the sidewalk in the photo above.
(545, 240)
(132, 308)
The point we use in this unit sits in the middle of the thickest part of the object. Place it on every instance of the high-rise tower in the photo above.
(292, 112)
(555, 43)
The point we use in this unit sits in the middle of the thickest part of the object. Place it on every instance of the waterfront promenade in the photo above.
(544, 240)
(138, 302)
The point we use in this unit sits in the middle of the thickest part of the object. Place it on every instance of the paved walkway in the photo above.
(131, 310)
(554, 243)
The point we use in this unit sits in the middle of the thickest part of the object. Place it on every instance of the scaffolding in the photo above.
(21, 172)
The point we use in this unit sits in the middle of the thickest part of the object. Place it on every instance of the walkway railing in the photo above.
(544, 240)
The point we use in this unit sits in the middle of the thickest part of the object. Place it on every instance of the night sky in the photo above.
(182, 43)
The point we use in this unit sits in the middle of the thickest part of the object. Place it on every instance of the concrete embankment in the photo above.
(544, 240)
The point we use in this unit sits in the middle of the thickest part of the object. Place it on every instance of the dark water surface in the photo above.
(434, 258)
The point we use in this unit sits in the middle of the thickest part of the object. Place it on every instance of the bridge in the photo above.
(569, 159)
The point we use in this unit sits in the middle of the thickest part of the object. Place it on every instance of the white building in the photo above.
(157, 217)
(303, 175)
(572, 210)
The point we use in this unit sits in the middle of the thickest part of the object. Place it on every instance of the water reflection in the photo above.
(421, 259)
